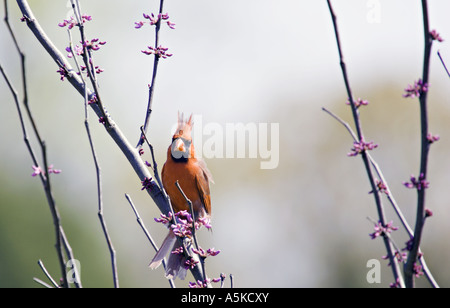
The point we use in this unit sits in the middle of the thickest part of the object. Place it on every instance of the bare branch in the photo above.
(151, 88)
(44, 178)
(389, 196)
(443, 63)
(359, 133)
(97, 169)
(425, 147)
(42, 283)
(41, 265)
(147, 234)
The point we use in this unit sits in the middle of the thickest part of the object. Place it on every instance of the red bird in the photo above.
(193, 177)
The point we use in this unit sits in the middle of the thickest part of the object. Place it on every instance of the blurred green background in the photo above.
(303, 224)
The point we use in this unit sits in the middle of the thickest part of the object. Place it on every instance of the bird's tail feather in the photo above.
(175, 264)
(165, 248)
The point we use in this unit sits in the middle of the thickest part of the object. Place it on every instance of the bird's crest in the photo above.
(184, 127)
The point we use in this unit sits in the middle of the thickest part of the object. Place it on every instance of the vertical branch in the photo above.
(355, 113)
(44, 175)
(100, 205)
(344, 74)
(151, 88)
(89, 61)
(425, 146)
(97, 166)
(154, 164)
(44, 179)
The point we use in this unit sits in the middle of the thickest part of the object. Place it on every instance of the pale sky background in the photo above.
(303, 224)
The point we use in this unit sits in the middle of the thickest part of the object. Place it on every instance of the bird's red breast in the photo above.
(191, 173)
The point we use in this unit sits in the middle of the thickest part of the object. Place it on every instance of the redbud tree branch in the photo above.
(151, 88)
(147, 234)
(88, 59)
(389, 196)
(443, 63)
(114, 131)
(381, 216)
(130, 152)
(44, 284)
(194, 233)
(41, 265)
(61, 240)
(414, 245)
(44, 176)
(425, 147)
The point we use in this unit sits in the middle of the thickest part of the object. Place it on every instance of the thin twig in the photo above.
(98, 175)
(141, 223)
(43, 175)
(44, 179)
(359, 133)
(443, 63)
(147, 234)
(69, 253)
(151, 88)
(154, 164)
(222, 280)
(42, 283)
(345, 124)
(189, 202)
(89, 62)
(41, 265)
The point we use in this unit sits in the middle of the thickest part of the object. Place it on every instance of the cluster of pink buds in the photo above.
(359, 147)
(416, 89)
(419, 183)
(359, 102)
(183, 228)
(38, 170)
(72, 22)
(381, 230)
(436, 36)
(153, 20)
(159, 52)
(88, 45)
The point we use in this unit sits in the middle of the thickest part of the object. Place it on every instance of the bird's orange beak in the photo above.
(179, 145)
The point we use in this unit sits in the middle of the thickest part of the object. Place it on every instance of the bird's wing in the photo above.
(202, 180)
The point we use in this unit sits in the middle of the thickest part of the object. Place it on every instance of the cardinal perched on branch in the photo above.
(193, 178)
